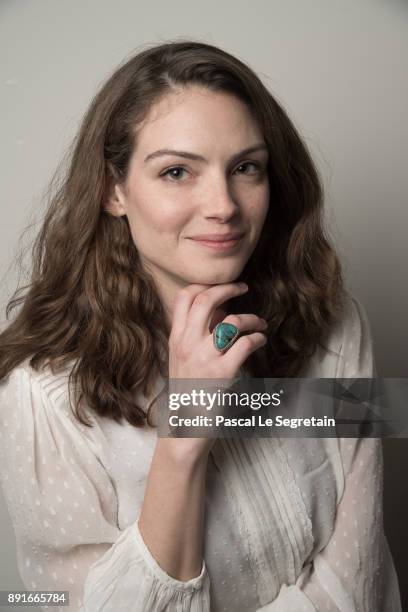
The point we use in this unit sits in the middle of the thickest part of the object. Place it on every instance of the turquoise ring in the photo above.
(224, 336)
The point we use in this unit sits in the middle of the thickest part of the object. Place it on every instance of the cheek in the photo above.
(263, 204)
(158, 216)
(258, 206)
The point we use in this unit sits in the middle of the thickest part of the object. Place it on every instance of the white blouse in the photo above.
(291, 524)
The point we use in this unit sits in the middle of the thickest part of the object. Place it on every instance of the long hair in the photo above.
(89, 300)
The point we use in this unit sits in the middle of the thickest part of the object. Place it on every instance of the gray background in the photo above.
(340, 69)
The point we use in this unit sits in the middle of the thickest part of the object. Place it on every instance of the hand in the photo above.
(191, 350)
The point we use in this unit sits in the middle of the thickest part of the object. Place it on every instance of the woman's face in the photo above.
(189, 175)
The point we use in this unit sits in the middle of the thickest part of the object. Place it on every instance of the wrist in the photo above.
(183, 453)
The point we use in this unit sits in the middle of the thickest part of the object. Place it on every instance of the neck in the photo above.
(168, 288)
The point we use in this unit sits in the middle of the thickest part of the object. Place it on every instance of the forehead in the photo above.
(197, 118)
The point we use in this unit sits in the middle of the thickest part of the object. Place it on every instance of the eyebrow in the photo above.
(161, 152)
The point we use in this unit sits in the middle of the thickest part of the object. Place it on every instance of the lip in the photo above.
(218, 245)
(218, 237)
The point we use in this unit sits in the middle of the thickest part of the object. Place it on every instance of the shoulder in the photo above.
(347, 351)
(45, 377)
(37, 415)
(24, 389)
(353, 328)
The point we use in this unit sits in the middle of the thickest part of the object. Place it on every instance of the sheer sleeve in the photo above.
(63, 508)
(354, 572)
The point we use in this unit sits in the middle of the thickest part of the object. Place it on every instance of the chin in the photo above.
(226, 274)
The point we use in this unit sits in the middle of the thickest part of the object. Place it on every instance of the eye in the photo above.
(246, 164)
(174, 173)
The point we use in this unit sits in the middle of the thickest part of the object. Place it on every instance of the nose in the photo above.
(219, 202)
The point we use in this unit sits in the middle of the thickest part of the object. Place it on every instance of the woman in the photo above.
(186, 180)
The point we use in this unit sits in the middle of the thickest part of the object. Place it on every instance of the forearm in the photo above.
(172, 516)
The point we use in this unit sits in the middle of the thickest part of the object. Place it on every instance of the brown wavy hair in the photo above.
(90, 300)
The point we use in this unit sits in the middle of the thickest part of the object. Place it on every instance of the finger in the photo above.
(182, 305)
(246, 322)
(243, 347)
(219, 315)
(203, 307)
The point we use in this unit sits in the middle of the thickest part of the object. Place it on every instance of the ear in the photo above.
(114, 201)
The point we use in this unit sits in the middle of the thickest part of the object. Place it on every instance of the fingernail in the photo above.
(243, 285)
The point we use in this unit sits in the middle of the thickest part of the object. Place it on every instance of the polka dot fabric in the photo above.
(291, 525)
